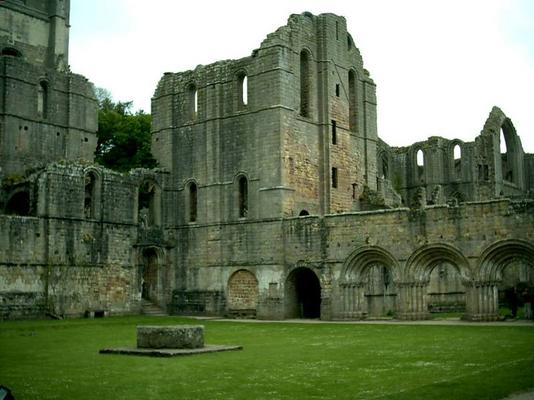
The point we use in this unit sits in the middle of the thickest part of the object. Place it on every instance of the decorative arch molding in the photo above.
(362, 258)
(498, 255)
(423, 260)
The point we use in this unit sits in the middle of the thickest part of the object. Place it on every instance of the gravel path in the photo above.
(521, 396)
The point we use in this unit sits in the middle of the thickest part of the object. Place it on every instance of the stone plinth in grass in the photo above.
(170, 337)
(170, 341)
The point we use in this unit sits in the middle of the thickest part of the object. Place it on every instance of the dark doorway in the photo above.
(149, 282)
(303, 294)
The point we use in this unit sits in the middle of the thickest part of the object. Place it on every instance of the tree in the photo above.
(123, 137)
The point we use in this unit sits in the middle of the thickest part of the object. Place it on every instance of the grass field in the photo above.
(60, 360)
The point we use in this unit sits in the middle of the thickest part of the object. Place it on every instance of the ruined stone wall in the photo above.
(65, 261)
(459, 236)
(36, 127)
(477, 172)
(37, 30)
(209, 133)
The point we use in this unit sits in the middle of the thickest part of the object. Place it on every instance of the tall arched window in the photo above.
(304, 83)
(507, 154)
(192, 101)
(42, 99)
(149, 204)
(243, 197)
(420, 161)
(457, 154)
(242, 90)
(193, 202)
(352, 101)
(90, 194)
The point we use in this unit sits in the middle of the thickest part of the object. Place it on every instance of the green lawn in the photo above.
(60, 360)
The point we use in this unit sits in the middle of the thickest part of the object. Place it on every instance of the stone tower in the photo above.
(47, 113)
(287, 131)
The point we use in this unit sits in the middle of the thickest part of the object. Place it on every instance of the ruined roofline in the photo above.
(281, 37)
(494, 122)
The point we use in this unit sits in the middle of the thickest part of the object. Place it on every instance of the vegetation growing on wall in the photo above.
(123, 136)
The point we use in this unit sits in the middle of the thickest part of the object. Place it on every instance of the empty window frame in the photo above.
(242, 90)
(304, 83)
(352, 101)
(334, 177)
(89, 206)
(334, 132)
(457, 158)
(193, 201)
(192, 101)
(42, 100)
(243, 197)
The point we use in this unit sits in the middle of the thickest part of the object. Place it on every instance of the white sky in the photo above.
(439, 65)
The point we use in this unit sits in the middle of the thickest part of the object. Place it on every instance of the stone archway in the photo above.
(242, 300)
(445, 292)
(428, 261)
(302, 294)
(368, 285)
(150, 271)
(503, 265)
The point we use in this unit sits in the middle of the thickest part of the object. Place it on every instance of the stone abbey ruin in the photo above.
(274, 198)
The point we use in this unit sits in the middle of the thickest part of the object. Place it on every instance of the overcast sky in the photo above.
(439, 65)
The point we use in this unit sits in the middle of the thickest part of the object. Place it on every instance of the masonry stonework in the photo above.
(275, 197)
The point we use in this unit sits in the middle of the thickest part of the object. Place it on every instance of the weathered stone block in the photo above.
(170, 337)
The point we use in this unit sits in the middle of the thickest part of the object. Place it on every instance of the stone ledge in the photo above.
(170, 352)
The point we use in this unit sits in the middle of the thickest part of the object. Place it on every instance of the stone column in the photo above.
(482, 301)
(412, 300)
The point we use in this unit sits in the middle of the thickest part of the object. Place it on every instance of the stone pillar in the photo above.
(412, 300)
(482, 302)
(354, 301)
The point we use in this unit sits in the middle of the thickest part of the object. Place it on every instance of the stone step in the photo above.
(151, 309)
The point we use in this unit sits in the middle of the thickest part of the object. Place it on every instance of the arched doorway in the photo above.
(242, 294)
(303, 294)
(149, 275)
(507, 272)
(515, 286)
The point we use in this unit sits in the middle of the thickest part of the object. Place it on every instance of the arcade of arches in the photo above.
(373, 284)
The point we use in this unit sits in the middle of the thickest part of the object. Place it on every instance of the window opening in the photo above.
(334, 132)
(304, 83)
(42, 100)
(243, 197)
(352, 101)
(192, 202)
(334, 177)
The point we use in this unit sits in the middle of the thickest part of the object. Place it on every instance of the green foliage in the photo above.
(123, 136)
(60, 360)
